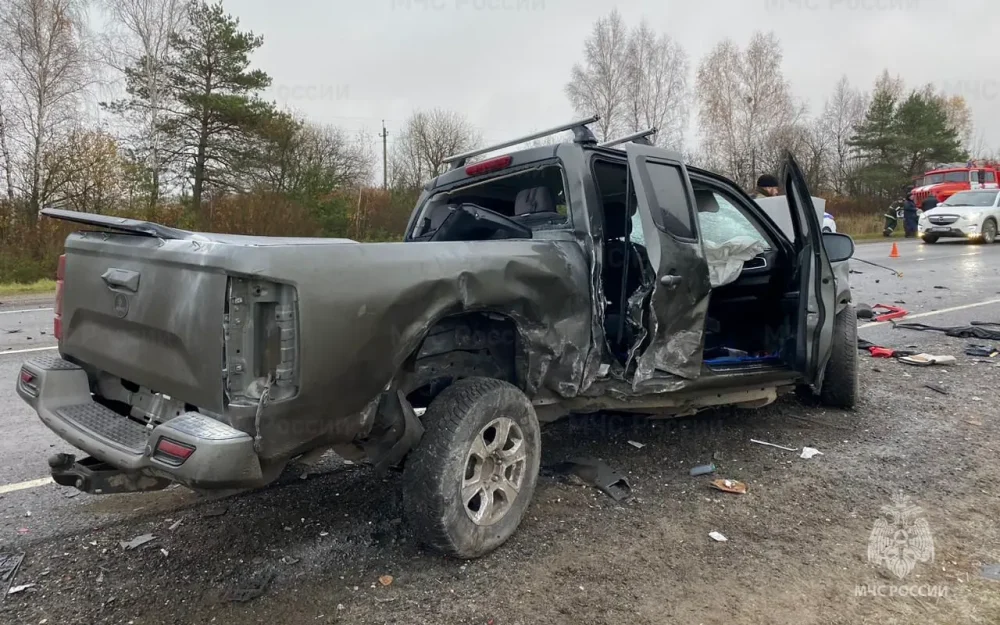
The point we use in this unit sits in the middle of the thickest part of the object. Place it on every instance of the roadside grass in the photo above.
(16, 288)
(864, 226)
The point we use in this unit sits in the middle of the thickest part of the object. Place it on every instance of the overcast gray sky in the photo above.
(504, 63)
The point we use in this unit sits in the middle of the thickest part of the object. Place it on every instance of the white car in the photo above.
(829, 225)
(971, 215)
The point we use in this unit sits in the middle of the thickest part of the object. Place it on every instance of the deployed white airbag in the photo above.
(725, 260)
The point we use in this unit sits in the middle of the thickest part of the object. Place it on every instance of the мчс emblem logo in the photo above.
(901, 538)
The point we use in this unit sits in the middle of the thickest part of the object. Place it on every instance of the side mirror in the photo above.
(839, 247)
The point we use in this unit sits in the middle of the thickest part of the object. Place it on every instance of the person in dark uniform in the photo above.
(928, 203)
(910, 217)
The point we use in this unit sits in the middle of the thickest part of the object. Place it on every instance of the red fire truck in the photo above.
(947, 179)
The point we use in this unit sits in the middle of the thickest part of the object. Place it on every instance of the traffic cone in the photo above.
(895, 251)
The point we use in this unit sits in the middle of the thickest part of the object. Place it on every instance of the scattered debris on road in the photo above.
(385, 580)
(136, 542)
(730, 486)
(213, 511)
(986, 330)
(981, 351)
(9, 565)
(898, 274)
(753, 440)
(289, 560)
(878, 351)
(991, 571)
(810, 452)
(599, 475)
(176, 524)
(926, 360)
(19, 589)
(717, 537)
(937, 389)
(702, 469)
(251, 591)
(891, 312)
(636, 444)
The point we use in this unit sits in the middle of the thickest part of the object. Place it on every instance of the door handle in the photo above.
(670, 281)
(121, 278)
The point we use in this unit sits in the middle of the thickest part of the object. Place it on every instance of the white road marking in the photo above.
(10, 488)
(929, 314)
(28, 351)
(24, 310)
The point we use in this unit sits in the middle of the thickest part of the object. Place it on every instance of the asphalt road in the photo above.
(943, 284)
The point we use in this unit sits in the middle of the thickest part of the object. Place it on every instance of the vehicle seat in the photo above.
(535, 206)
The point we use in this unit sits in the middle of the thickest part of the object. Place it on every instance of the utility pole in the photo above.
(385, 168)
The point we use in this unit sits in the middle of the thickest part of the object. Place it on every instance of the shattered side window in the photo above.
(637, 236)
(727, 223)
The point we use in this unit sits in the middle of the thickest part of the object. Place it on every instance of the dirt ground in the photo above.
(312, 550)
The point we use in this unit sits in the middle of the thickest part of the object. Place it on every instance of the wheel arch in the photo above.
(462, 344)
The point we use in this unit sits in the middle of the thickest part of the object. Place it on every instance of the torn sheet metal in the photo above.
(361, 309)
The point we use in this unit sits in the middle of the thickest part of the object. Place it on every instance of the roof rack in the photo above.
(640, 137)
(581, 134)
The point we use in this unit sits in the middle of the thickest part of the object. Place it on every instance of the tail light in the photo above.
(29, 382)
(60, 279)
(491, 165)
(172, 452)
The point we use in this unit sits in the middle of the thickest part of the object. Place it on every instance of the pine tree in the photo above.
(924, 134)
(875, 143)
(216, 94)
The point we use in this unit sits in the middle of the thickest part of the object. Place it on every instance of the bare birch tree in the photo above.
(137, 45)
(744, 102)
(600, 84)
(427, 138)
(7, 161)
(657, 93)
(844, 110)
(47, 67)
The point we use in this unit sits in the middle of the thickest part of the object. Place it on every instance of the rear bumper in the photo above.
(59, 391)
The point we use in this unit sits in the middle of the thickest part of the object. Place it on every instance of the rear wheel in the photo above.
(471, 478)
(840, 382)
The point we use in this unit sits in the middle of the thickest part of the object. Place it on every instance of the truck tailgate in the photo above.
(148, 310)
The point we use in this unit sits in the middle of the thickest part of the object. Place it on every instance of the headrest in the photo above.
(534, 200)
(616, 226)
(705, 201)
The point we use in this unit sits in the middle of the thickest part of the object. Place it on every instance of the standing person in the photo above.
(910, 218)
(929, 203)
(767, 186)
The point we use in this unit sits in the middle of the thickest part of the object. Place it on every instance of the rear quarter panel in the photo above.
(364, 308)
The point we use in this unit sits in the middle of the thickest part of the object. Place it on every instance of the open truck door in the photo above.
(679, 299)
(817, 287)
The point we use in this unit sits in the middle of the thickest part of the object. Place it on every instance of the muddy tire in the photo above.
(840, 382)
(468, 483)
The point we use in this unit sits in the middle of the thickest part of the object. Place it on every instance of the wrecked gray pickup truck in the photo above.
(570, 278)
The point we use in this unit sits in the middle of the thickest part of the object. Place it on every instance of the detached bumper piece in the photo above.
(192, 449)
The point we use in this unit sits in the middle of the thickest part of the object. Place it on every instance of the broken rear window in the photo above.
(533, 200)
